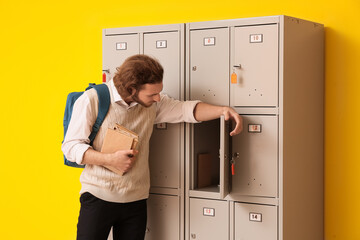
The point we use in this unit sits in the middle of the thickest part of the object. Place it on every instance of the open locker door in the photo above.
(224, 158)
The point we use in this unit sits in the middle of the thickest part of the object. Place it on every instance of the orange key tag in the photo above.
(233, 78)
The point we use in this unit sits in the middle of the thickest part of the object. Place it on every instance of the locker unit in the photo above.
(116, 48)
(265, 183)
(166, 44)
(271, 71)
(256, 168)
(256, 64)
(215, 90)
(255, 221)
(163, 217)
(209, 219)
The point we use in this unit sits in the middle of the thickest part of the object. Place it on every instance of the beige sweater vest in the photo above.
(135, 184)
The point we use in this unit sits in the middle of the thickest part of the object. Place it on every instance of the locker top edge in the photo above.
(244, 22)
(144, 29)
(298, 20)
(233, 22)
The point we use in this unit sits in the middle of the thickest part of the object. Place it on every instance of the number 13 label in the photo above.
(209, 212)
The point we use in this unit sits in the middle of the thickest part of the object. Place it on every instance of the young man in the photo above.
(108, 199)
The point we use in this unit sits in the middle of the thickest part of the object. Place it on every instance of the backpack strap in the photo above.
(104, 104)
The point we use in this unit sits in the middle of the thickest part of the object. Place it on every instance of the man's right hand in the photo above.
(123, 160)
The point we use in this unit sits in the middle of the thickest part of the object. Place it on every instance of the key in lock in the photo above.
(235, 156)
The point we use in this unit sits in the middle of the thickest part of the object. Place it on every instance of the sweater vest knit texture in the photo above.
(135, 184)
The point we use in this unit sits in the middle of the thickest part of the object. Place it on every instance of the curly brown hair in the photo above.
(136, 71)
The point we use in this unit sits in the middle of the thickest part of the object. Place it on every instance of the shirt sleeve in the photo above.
(174, 111)
(77, 141)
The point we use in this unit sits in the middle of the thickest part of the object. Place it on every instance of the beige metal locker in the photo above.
(256, 55)
(165, 47)
(166, 158)
(256, 157)
(210, 150)
(208, 219)
(116, 48)
(275, 81)
(255, 222)
(209, 160)
(163, 217)
(209, 60)
(165, 161)
(271, 71)
(166, 44)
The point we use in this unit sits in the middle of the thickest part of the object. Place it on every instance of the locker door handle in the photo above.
(237, 66)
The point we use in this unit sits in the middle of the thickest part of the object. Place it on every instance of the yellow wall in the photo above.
(49, 48)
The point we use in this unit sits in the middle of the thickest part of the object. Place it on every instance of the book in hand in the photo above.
(119, 138)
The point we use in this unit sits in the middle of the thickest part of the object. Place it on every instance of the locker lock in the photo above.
(194, 68)
(193, 235)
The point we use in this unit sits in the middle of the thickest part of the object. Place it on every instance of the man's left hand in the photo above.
(230, 113)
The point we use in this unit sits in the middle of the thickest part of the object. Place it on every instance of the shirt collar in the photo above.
(118, 99)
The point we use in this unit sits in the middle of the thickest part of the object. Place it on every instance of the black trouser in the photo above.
(98, 216)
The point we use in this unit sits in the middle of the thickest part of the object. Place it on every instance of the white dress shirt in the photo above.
(77, 140)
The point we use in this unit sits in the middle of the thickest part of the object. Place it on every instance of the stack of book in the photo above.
(119, 138)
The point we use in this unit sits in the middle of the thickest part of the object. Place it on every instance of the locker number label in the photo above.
(255, 128)
(255, 217)
(121, 46)
(161, 44)
(209, 212)
(161, 126)
(256, 38)
(210, 41)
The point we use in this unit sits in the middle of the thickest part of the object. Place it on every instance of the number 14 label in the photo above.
(255, 217)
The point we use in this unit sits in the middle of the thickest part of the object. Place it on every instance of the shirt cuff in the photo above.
(192, 105)
(79, 155)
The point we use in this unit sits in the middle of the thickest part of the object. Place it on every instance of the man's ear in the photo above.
(131, 91)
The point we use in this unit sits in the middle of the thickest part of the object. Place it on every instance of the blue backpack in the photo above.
(104, 104)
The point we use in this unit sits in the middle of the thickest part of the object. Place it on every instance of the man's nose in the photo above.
(157, 98)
